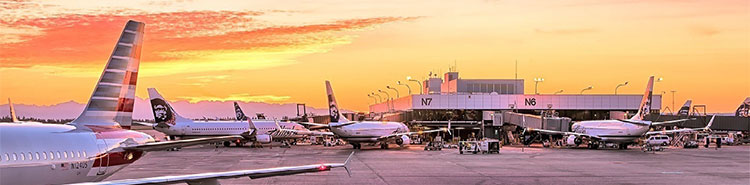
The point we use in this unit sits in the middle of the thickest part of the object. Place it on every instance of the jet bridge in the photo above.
(536, 122)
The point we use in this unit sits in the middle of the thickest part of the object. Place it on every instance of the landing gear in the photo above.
(384, 146)
(238, 143)
(227, 143)
(356, 146)
(593, 145)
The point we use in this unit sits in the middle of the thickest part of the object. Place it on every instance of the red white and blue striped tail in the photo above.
(111, 104)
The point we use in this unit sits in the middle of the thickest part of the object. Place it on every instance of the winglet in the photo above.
(708, 127)
(346, 164)
(13, 115)
(449, 127)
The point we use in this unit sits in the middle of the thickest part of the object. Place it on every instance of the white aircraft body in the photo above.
(96, 145)
(169, 122)
(357, 132)
(621, 132)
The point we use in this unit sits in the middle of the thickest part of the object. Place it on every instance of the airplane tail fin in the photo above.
(111, 103)
(645, 107)
(13, 115)
(163, 112)
(333, 106)
(685, 109)
(238, 111)
(744, 109)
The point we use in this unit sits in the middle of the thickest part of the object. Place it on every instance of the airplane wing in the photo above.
(179, 143)
(212, 178)
(314, 124)
(706, 128)
(670, 122)
(301, 132)
(409, 133)
(145, 124)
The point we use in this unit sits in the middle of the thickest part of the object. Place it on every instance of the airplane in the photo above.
(97, 143)
(169, 122)
(685, 109)
(622, 132)
(744, 109)
(357, 132)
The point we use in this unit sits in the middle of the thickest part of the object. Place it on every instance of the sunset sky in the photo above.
(283, 51)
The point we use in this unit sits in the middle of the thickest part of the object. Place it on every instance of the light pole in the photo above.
(407, 86)
(379, 97)
(587, 88)
(394, 89)
(620, 85)
(673, 91)
(536, 84)
(370, 95)
(560, 91)
(387, 99)
(421, 89)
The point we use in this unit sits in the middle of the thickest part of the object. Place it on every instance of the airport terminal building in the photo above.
(479, 104)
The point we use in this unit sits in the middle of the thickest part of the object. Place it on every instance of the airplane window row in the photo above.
(42, 156)
(218, 129)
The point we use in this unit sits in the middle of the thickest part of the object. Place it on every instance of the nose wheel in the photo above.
(384, 146)
(356, 146)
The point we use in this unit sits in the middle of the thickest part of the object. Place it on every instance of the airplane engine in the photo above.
(402, 140)
(573, 140)
(265, 138)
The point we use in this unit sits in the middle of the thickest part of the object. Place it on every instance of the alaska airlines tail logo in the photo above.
(333, 110)
(238, 111)
(646, 109)
(162, 112)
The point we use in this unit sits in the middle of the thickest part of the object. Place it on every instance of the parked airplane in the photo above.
(95, 145)
(621, 132)
(744, 109)
(357, 132)
(685, 109)
(169, 122)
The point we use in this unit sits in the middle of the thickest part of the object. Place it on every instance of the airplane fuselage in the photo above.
(195, 129)
(612, 131)
(368, 131)
(59, 154)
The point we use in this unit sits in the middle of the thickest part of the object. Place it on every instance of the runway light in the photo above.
(322, 167)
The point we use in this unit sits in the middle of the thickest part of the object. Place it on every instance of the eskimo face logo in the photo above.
(646, 109)
(334, 112)
(162, 112)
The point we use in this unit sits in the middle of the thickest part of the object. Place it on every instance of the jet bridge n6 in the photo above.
(537, 122)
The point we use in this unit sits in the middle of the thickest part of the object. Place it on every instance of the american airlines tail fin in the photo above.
(111, 103)
(645, 107)
(163, 112)
(744, 109)
(685, 109)
(13, 116)
(333, 107)
(238, 111)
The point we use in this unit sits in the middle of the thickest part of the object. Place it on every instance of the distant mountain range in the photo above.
(142, 110)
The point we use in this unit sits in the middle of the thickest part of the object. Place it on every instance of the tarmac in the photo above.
(413, 165)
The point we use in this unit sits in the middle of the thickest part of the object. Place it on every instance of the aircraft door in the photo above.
(103, 158)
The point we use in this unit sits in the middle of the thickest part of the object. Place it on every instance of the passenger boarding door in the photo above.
(102, 160)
